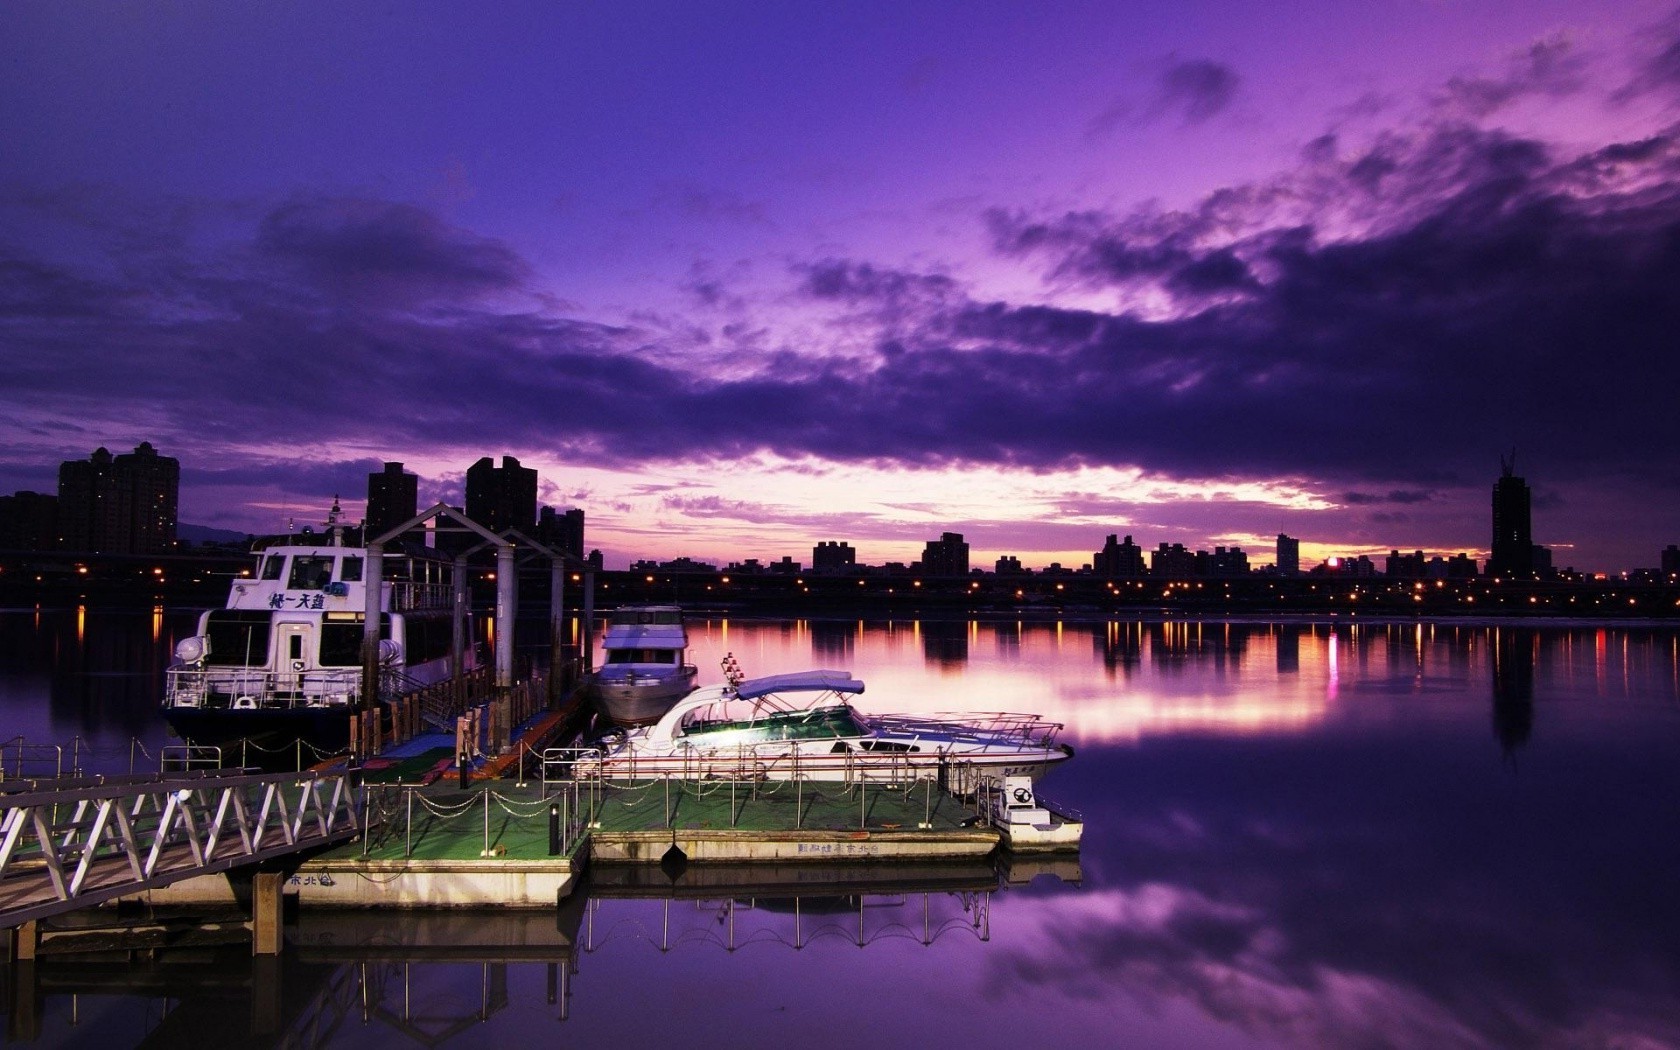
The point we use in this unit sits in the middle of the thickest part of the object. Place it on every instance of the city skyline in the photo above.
(504, 497)
(743, 279)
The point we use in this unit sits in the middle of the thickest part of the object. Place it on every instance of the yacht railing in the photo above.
(242, 687)
(978, 727)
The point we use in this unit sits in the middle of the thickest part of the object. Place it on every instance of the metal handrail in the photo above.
(127, 834)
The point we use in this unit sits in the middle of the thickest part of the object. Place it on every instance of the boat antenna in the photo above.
(732, 670)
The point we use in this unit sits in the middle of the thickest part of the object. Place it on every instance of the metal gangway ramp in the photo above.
(70, 843)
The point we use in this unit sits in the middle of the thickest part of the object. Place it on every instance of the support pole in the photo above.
(458, 621)
(373, 583)
(267, 935)
(557, 630)
(587, 645)
(507, 578)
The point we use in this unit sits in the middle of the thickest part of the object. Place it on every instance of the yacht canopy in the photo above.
(799, 682)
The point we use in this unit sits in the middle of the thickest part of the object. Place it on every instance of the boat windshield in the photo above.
(716, 722)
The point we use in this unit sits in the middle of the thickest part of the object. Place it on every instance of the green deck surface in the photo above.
(445, 823)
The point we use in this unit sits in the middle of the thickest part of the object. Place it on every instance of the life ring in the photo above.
(1023, 796)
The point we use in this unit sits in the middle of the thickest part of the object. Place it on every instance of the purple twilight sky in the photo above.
(738, 277)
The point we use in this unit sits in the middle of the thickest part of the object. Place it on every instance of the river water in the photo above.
(1298, 834)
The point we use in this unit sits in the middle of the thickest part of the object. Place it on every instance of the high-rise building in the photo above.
(1118, 560)
(502, 497)
(1288, 555)
(123, 504)
(946, 556)
(393, 498)
(1513, 542)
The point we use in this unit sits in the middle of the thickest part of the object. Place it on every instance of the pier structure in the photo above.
(71, 843)
(507, 544)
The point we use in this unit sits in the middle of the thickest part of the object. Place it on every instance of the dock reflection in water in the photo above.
(379, 978)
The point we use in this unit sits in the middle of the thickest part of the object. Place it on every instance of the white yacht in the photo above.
(283, 660)
(644, 664)
(803, 726)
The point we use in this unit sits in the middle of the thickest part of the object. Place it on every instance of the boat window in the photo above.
(643, 656)
(341, 642)
(350, 569)
(237, 639)
(887, 745)
(310, 572)
(272, 566)
(840, 747)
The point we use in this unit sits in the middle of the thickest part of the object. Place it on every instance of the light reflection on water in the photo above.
(1298, 834)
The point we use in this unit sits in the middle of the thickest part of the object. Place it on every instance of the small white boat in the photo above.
(1027, 825)
(803, 726)
(644, 669)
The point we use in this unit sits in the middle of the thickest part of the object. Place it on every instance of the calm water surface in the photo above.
(1297, 835)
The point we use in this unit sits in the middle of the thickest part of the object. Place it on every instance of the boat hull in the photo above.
(640, 700)
(271, 738)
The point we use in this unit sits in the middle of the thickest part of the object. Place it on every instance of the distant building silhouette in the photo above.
(1670, 558)
(1118, 560)
(1224, 561)
(393, 498)
(1412, 566)
(123, 504)
(1174, 561)
(1513, 542)
(1288, 555)
(561, 530)
(502, 497)
(946, 556)
(832, 556)
(28, 522)
(1009, 565)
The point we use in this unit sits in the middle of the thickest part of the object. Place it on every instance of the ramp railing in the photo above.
(66, 844)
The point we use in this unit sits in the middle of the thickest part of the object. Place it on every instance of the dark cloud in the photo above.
(1397, 496)
(1195, 90)
(397, 250)
(1550, 68)
(1659, 70)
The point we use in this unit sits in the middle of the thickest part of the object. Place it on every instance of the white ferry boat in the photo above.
(803, 726)
(644, 664)
(283, 660)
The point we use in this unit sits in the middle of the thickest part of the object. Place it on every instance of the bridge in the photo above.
(74, 842)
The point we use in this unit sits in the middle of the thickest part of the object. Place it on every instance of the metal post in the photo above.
(458, 620)
(587, 645)
(557, 627)
(486, 852)
(507, 577)
(408, 826)
(373, 577)
(798, 802)
(553, 830)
